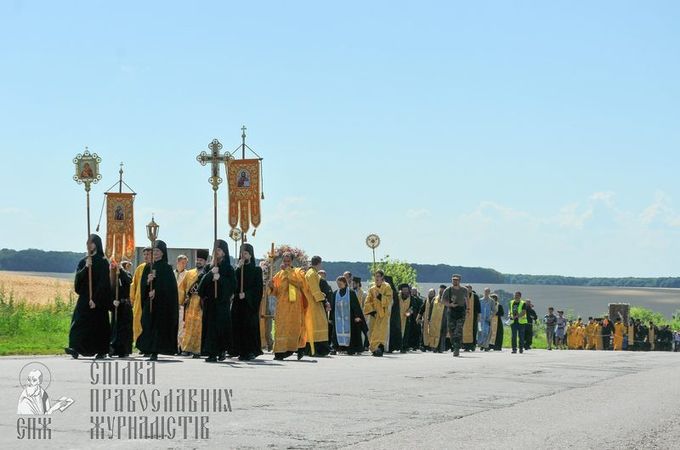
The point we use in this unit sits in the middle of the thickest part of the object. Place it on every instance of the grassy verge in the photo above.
(33, 329)
(539, 342)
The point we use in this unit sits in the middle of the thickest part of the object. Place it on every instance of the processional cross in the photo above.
(214, 158)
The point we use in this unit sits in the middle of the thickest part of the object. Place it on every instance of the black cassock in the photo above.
(90, 327)
(159, 316)
(121, 320)
(356, 329)
(414, 330)
(216, 337)
(498, 345)
(395, 338)
(328, 292)
(245, 313)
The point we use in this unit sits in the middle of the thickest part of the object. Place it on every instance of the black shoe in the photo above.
(196, 356)
(146, 355)
(300, 354)
(100, 356)
(377, 353)
(333, 352)
(278, 357)
(222, 356)
(514, 350)
(153, 357)
(456, 352)
(402, 351)
(211, 359)
(70, 351)
(521, 351)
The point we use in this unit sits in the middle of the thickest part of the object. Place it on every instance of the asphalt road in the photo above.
(541, 399)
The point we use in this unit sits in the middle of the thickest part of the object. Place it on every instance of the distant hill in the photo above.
(33, 260)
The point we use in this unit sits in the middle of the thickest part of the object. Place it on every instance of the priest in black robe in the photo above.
(216, 339)
(415, 336)
(348, 320)
(245, 310)
(395, 340)
(90, 327)
(500, 314)
(160, 309)
(121, 319)
(328, 292)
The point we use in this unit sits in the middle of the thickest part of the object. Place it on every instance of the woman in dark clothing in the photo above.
(245, 310)
(121, 322)
(160, 311)
(90, 328)
(216, 337)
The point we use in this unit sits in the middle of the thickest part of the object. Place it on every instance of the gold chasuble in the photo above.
(381, 319)
(631, 336)
(136, 295)
(494, 325)
(619, 330)
(426, 321)
(193, 314)
(404, 305)
(597, 335)
(316, 320)
(291, 306)
(434, 324)
(468, 327)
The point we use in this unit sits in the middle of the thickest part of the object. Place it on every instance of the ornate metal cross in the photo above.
(214, 158)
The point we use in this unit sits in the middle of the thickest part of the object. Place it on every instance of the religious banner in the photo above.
(244, 193)
(120, 225)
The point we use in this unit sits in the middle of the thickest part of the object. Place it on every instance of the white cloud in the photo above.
(290, 209)
(570, 217)
(418, 213)
(660, 208)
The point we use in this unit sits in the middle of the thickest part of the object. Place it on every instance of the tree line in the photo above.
(34, 260)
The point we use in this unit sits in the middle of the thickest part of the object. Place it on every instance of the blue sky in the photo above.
(531, 137)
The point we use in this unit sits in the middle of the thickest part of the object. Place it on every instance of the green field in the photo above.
(33, 329)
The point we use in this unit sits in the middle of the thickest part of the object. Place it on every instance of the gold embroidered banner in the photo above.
(120, 226)
(244, 193)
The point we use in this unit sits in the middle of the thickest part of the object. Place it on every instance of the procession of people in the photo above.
(213, 311)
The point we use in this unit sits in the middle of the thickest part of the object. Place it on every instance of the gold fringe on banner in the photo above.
(244, 193)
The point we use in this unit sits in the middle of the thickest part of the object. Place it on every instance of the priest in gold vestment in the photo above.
(136, 294)
(288, 287)
(377, 305)
(316, 316)
(193, 312)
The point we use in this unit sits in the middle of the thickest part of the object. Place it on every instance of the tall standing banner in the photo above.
(244, 193)
(120, 225)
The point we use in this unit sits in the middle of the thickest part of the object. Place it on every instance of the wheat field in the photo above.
(36, 288)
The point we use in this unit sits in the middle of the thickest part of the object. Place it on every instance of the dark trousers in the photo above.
(528, 335)
(517, 331)
(455, 326)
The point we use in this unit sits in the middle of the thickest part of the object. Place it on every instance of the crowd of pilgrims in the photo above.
(215, 311)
